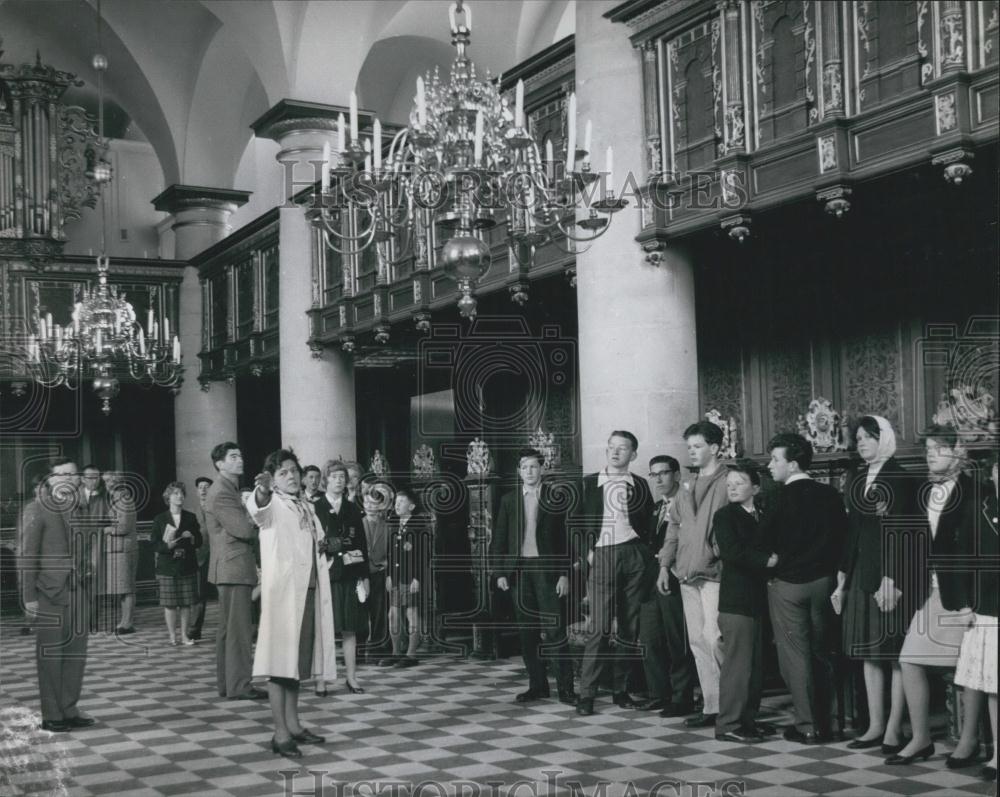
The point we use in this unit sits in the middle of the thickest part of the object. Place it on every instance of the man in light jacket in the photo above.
(687, 553)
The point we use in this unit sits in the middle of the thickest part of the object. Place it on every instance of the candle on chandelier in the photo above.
(155, 334)
(571, 135)
(377, 144)
(99, 340)
(177, 351)
(340, 134)
(166, 328)
(609, 167)
(41, 330)
(33, 348)
(354, 117)
(368, 156)
(549, 160)
(325, 177)
(587, 132)
(421, 103)
(48, 321)
(142, 343)
(149, 321)
(59, 336)
(519, 105)
(477, 144)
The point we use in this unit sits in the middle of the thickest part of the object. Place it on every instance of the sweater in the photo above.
(806, 525)
(687, 548)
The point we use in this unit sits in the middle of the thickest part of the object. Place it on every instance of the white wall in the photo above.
(137, 179)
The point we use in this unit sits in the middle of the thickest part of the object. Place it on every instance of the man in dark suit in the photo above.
(529, 548)
(615, 514)
(232, 568)
(666, 656)
(57, 571)
(806, 527)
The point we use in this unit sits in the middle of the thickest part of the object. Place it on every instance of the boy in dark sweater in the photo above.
(742, 603)
(806, 528)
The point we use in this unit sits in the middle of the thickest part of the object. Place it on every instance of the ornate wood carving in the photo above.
(872, 376)
(789, 387)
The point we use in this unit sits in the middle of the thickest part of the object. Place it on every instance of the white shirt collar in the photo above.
(795, 477)
(603, 477)
(525, 489)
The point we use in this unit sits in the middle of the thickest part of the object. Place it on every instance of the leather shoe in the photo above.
(287, 749)
(388, 661)
(531, 695)
(700, 720)
(677, 710)
(308, 737)
(654, 704)
(568, 696)
(585, 706)
(124, 631)
(793, 734)
(954, 762)
(741, 736)
(624, 700)
(905, 760)
(988, 773)
(195, 635)
(865, 744)
(251, 694)
(892, 749)
(407, 661)
(764, 729)
(55, 726)
(80, 722)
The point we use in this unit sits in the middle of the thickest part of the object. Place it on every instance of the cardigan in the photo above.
(180, 560)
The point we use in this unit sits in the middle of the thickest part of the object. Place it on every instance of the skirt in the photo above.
(977, 661)
(349, 614)
(178, 590)
(935, 635)
(869, 633)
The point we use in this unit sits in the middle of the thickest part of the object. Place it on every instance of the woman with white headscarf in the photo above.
(872, 590)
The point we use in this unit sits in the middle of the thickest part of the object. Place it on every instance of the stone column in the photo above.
(638, 364)
(202, 416)
(318, 417)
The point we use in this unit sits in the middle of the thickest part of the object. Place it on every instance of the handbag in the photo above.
(352, 557)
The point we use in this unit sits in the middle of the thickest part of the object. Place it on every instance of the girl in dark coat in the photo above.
(872, 589)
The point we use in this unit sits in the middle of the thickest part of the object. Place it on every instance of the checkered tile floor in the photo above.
(163, 731)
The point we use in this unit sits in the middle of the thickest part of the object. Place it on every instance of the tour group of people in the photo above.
(680, 572)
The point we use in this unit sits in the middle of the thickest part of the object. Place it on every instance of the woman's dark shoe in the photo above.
(322, 692)
(865, 744)
(954, 762)
(354, 690)
(287, 749)
(988, 773)
(905, 760)
(892, 749)
(308, 737)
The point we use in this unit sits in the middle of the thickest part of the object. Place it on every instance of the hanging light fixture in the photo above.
(464, 164)
(104, 337)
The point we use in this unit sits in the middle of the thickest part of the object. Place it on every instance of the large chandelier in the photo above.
(104, 338)
(465, 163)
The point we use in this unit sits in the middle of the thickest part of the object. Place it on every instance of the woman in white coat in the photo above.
(295, 639)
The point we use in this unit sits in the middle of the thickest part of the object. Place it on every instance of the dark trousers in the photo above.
(61, 653)
(742, 675)
(539, 610)
(800, 614)
(234, 640)
(378, 615)
(616, 585)
(199, 617)
(666, 656)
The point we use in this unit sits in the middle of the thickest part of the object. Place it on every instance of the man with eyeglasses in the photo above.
(616, 509)
(666, 656)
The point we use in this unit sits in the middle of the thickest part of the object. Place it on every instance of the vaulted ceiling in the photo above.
(190, 75)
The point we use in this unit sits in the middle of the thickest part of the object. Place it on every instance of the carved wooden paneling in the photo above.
(892, 43)
(695, 95)
(788, 386)
(871, 375)
(784, 47)
(721, 377)
(988, 38)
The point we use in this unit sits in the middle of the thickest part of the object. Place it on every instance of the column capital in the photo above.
(190, 197)
(301, 127)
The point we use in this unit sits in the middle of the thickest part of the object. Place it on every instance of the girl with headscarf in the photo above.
(872, 592)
